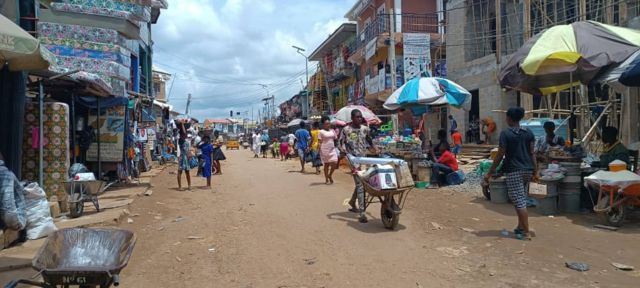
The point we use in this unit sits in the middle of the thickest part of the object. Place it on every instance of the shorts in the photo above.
(301, 153)
(457, 149)
(517, 183)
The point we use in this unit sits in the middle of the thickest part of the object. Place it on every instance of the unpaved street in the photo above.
(265, 225)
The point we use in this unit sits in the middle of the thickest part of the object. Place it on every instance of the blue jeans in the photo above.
(436, 168)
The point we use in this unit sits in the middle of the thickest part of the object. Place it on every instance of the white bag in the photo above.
(39, 221)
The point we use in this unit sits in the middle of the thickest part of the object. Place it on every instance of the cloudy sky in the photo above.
(220, 50)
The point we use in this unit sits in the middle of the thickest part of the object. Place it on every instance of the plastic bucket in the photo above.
(569, 203)
(547, 204)
(573, 169)
(422, 184)
(617, 167)
(498, 189)
(569, 188)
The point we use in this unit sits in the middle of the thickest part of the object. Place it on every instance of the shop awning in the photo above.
(21, 50)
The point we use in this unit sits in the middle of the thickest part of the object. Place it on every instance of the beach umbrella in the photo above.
(564, 56)
(20, 50)
(295, 122)
(431, 91)
(344, 114)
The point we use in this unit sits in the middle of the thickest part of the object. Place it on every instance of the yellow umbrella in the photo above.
(20, 50)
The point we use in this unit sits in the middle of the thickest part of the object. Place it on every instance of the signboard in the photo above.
(370, 49)
(417, 55)
(112, 127)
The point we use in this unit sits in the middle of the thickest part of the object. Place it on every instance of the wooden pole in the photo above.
(583, 10)
(498, 31)
(526, 18)
(593, 127)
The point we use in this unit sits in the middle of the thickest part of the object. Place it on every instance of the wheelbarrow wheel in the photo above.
(389, 215)
(614, 216)
(76, 208)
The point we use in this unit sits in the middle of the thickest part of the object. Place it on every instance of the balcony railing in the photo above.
(410, 23)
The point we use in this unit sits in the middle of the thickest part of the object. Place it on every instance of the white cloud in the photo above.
(219, 48)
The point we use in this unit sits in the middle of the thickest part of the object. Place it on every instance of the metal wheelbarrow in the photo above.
(82, 257)
(79, 192)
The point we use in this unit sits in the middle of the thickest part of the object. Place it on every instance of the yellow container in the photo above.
(494, 153)
(617, 167)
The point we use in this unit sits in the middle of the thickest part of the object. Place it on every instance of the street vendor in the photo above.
(613, 148)
(550, 140)
(446, 163)
(355, 139)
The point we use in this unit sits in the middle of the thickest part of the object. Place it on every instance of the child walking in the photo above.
(207, 150)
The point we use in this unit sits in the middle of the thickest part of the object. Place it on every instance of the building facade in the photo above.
(477, 45)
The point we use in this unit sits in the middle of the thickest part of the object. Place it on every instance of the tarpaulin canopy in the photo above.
(567, 55)
(92, 102)
(21, 50)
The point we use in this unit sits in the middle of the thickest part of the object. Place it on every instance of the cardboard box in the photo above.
(383, 177)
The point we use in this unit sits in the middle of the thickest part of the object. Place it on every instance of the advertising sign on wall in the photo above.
(417, 55)
(112, 127)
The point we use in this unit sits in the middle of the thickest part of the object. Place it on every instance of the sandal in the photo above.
(363, 219)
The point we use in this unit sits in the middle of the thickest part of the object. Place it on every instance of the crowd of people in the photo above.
(198, 151)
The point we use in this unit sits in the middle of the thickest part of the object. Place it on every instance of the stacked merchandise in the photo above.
(108, 8)
(93, 50)
(55, 146)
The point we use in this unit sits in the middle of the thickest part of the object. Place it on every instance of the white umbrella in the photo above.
(344, 114)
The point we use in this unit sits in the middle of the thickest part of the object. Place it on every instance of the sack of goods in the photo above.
(39, 221)
(382, 177)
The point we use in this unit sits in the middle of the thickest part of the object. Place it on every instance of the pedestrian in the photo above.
(207, 151)
(519, 165)
(453, 124)
(217, 154)
(446, 164)
(284, 149)
(315, 147)
(302, 146)
(488, 128)
(275, 148)
(256, 144)
(457, 142)
(183, 160)
(292, 141)
(264, 143)
(355, 139)
(328, 153)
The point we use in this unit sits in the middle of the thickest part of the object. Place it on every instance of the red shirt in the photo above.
(457, 138)
(447, 158)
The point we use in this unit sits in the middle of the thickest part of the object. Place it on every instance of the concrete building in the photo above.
(160, 80)
(338, 73)
(476, 50)
(415, 23)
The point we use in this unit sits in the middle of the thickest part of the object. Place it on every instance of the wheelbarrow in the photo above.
(391, 200)
(79, 192)
(82, 257)
(618, 193)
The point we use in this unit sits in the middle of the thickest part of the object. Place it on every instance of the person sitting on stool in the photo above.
(446, 164)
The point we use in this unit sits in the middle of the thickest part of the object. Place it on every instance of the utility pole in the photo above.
(186, 110)
(305, 101)
(392, 47)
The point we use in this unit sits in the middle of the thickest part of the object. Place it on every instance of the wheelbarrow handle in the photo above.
(14, 283)
(116, 280)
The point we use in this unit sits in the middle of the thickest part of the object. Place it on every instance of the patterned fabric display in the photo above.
(137, 11)
(56, 147)
(102, 67)
(83, 33)
(87, 53)
(79, 44)
(93, 11)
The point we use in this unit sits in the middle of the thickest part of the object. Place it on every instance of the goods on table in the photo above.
(398, 144)
(554, 173)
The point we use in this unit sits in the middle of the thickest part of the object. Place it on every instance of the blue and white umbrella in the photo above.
(429, 91)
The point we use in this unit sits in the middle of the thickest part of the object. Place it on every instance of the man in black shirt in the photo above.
(517, 149)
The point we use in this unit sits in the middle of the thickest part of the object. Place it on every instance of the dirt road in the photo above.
(265, 225)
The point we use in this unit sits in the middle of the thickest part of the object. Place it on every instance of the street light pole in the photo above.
(305, 109)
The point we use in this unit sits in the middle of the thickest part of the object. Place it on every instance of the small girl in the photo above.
(284, 150)
(207, 150)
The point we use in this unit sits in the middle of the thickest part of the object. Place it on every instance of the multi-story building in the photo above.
(477, 45)
(338, 73)
(412, 27)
